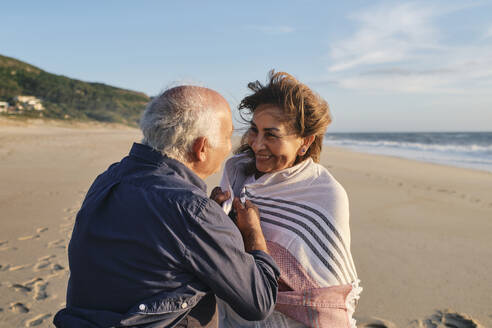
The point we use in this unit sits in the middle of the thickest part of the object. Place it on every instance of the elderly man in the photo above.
(149, 248)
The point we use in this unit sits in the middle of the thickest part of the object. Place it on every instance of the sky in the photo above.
(381, 65)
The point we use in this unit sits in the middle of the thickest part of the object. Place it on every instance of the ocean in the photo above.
(461, 149)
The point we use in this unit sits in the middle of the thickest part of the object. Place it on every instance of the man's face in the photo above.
(217, 155)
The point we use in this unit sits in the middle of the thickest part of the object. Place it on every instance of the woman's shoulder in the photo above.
(324, 179)
(237, 162)
(238, 158)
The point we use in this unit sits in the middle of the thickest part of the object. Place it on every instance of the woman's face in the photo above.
(275, 147)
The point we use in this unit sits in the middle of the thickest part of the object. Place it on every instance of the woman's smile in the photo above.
(262, 157)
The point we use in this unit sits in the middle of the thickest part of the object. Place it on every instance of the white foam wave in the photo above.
(471, 148)
(468, 156)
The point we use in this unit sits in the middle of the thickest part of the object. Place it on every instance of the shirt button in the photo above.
(142, 307)
(184, 305)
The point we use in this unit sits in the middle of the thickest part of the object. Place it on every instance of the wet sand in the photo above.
(421, 233)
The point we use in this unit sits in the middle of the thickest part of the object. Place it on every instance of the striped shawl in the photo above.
(305, 220)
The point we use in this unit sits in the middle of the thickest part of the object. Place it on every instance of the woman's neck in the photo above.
(258, 174)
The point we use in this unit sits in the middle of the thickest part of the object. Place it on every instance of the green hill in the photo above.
(66, 98)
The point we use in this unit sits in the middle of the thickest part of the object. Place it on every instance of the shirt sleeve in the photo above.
(247, 281)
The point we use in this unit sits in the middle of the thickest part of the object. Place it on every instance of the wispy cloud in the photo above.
(271, 29)
(488, 33)
(386, 35)
(401, 48)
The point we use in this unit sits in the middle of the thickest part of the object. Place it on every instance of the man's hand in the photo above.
(248, 222)
(219, 196)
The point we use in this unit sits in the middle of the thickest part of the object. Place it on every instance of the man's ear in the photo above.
(198, 149)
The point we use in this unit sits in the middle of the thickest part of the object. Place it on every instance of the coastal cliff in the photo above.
(65, 98)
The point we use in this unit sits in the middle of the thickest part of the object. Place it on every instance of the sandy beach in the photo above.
(421, 233)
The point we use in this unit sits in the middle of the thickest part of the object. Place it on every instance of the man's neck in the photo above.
(193, 167)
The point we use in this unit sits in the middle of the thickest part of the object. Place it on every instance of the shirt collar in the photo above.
(149, 155)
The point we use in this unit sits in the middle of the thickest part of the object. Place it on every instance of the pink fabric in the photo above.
(320, 307)
(308, 303)
(292, 274)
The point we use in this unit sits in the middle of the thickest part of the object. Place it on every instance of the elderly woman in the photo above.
(303, 209)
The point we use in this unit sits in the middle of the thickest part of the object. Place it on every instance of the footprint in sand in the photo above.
(28, 237)
(17, 267)
(26, 286)
(18, 308)
(3, 242)
(374, 323)
(47, 257)
(4, 267)
(37, 320)
(7, 248)
(22, 288)
(71, 210)
(56, 267)
(43, 263)
(447, 319)
(41, 229)
(59, 243)
(40, 290)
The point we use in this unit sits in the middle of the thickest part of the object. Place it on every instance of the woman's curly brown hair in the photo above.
(304, 111)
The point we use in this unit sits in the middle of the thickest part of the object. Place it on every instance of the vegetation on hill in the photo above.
(66, 98)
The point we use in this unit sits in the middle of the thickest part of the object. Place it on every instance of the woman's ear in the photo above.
(306, 143)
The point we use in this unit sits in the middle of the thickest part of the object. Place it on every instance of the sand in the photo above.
(421, 233)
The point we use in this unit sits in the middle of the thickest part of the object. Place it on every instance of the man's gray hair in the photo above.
(171, 123)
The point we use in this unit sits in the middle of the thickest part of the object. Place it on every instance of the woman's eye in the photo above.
(270, 135)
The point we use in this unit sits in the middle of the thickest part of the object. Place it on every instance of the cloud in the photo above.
(271, 29)
(488, 33)
(395, 71)
(386, 35)
(400, 48)
(469, 69)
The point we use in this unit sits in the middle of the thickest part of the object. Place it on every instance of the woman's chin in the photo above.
(262, 168)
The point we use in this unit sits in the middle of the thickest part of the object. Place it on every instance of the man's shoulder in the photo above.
(161, 184)
(170, 188)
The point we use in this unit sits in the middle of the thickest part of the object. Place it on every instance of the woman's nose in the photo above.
(257, 143)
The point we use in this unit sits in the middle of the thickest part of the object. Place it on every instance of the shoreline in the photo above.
(420, 231)
(460, 149)
(436, 162)
(29, 122)
(347, 149)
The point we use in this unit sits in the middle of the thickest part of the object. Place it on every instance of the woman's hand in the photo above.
(219, 196)
(248, 222)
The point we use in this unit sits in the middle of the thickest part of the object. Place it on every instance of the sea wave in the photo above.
(470, 150)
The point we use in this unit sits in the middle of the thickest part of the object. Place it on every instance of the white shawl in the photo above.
(305, 219)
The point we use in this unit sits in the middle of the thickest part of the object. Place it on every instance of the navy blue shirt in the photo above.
(148, 245)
